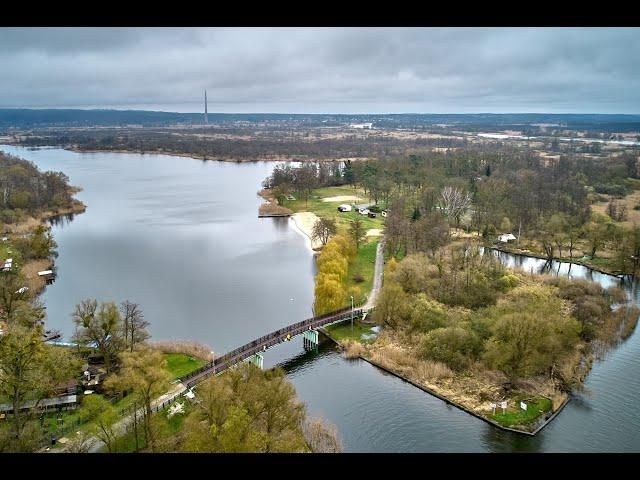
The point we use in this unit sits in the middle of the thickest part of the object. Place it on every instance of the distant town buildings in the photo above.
(361, 125)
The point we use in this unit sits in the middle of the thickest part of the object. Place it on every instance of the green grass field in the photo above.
(179, 364)
(516, 416)
(364, 265)
(330, 209)
(343, 331)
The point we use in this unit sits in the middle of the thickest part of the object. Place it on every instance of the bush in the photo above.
(611, 189)
(427, 315)
(454, 346)
(193, 349)
(358, 278)
(508, 281)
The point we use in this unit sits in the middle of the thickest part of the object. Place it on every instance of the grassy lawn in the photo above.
(330, 209)
(516, 416)
(179, 364)
(363, 265)
(342, 331)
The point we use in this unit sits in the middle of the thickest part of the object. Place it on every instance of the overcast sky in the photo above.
(324, 70)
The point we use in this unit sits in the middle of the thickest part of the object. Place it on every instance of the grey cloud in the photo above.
(316, 69)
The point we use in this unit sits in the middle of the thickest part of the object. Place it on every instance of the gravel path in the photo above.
(377, 277)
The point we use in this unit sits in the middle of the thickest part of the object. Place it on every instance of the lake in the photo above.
(181, 237)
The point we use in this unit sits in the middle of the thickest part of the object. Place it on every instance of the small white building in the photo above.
(362, 125)
(344, 208)
(506, 237)
(8, 264)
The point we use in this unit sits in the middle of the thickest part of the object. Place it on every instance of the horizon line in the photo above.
(113, 109)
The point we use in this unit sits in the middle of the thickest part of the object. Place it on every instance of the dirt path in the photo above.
(377, 277)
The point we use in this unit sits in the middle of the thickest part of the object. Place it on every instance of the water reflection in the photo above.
(60, 221)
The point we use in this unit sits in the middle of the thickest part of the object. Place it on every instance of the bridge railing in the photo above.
(279, 333)
(224, 361)
(277, 337)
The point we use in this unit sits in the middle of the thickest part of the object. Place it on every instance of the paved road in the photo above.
(377, 277)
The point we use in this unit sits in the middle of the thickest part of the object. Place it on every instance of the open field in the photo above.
(630, 201)
(329, 209)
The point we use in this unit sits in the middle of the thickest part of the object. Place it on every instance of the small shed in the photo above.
(47, 275)
(506, 237)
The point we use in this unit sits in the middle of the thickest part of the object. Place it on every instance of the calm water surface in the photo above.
(182, 238)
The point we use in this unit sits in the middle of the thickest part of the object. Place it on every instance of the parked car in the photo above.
(363, 211)
(344, 208)
(371, 215)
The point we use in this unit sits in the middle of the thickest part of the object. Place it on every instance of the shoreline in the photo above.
(193, 156)
(529, 254)
(27, 226)
(300, 223)
(583, 369)
(448, 401)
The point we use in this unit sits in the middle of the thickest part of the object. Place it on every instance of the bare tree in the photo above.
(321, 436)
(356, 230)
(134, 325)
(100, 327)
(454, 203)
(323, 229)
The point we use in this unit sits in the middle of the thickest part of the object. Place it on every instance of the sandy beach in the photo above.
(303, 222)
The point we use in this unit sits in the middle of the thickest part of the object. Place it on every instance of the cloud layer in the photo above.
(324, 70)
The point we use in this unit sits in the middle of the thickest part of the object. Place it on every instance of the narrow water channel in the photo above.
(182, 238)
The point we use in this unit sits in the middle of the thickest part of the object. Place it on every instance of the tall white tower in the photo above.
(206, 114)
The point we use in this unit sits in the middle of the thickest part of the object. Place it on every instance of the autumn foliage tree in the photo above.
(333, 264)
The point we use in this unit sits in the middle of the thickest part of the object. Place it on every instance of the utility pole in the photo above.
(352, 314)
(206, 113)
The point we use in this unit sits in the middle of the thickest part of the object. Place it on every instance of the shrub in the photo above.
(508, 281)
(193, 349)
(454, 346)
(353, 349)
(426, 314)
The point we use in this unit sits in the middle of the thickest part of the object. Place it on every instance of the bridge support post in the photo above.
(311, 339)
(257, 360)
